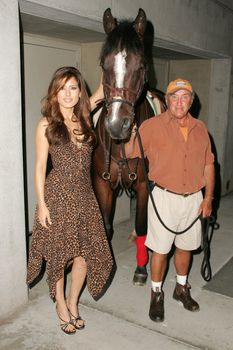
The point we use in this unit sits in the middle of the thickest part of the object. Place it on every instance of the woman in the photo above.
(68, 225)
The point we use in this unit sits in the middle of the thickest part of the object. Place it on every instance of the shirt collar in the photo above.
(169, 118)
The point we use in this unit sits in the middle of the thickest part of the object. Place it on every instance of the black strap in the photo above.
(206, 271)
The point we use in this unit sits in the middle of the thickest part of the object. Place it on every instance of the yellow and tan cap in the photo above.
(178, 84)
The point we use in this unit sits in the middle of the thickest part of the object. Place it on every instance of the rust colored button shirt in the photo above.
(175, 163)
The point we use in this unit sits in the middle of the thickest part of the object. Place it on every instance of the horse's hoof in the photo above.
(140, 276)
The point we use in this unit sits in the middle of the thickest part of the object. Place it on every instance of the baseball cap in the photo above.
(178, 84)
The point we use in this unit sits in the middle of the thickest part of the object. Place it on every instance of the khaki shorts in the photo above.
(177, 212)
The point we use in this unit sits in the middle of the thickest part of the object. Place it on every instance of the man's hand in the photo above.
(130, 145)
(206, 207)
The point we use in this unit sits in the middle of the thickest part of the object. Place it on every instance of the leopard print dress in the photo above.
(77, 228)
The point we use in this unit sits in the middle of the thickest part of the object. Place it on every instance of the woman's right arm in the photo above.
(42, 148)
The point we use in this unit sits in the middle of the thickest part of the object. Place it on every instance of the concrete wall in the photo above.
(90, 64)
(198, 72)
(220, 118)
(13, 291)
(228, 152)
(42, 56)
(158, 73)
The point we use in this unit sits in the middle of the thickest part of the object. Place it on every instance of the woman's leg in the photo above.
(61, 308)
(78, 275)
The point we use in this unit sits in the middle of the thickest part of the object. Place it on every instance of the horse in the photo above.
(127, 102)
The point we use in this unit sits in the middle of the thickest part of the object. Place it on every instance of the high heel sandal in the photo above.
(66, 324)
(75, 320)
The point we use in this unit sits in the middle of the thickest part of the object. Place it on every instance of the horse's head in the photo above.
(123, 63)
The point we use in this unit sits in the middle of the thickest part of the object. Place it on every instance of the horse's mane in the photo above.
(122, 37)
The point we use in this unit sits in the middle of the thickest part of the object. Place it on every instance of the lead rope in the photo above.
(206, 271)
(205, 266)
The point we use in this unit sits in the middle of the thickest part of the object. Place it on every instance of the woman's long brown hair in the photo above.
(57, 131)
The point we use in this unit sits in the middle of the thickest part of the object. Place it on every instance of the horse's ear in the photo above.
(140, 23)
(109, 21)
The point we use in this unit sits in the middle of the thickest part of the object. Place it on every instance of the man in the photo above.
(178, 149)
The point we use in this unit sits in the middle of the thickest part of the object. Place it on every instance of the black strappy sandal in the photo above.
(66, 324)
(75, 320)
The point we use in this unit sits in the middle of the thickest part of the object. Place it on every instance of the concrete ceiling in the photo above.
(225, 3)
(60, 30)
(54, 29)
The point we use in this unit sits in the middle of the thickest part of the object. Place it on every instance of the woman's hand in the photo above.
(44, 216)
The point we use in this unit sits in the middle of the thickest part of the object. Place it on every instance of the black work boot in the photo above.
(156, 312)
(182, 293)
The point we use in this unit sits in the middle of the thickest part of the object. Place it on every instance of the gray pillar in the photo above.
(13, 290)
(219, 115)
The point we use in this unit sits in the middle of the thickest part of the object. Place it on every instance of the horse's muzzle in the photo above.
(119, 128)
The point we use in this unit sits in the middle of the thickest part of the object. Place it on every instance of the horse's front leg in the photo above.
(140, 275)
(104, 195)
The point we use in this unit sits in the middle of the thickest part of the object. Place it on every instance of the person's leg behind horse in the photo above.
(140, 275)
(78, 275)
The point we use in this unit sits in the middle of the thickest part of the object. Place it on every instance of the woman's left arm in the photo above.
(97, 95)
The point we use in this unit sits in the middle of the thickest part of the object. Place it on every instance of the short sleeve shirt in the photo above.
(174, 163)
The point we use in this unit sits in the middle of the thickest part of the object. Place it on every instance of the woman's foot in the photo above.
(66, 324)
(76, 320)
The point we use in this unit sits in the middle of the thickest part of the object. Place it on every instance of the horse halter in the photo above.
(117, 94)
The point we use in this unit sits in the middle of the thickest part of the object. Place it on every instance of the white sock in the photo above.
(156, 286)
(181, 279)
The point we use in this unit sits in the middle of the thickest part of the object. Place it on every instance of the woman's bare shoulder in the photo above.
(42, 126)
(43, 122)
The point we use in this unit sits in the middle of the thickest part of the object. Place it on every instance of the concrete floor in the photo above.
(120, 319)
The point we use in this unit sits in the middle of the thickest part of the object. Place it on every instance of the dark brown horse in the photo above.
(127, 102)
